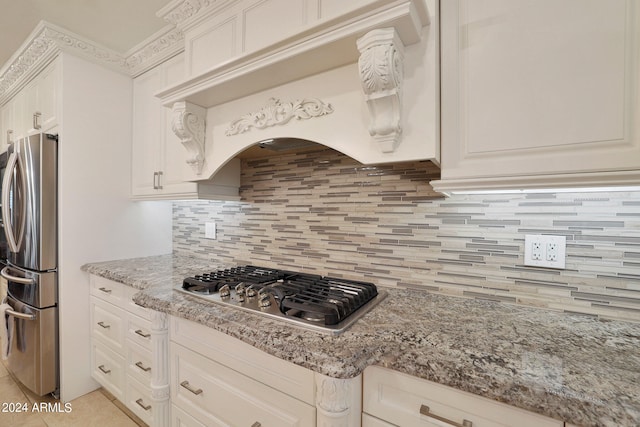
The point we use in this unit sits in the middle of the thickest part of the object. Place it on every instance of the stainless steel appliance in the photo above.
(324, 304)
(29, 213)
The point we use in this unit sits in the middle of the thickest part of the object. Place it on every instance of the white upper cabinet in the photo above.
(539, 93)
(158, 166)
(361, 77)
(34, 108)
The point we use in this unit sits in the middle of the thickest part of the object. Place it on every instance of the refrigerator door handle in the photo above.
(12, 164)
(18, 315)
(23, 280)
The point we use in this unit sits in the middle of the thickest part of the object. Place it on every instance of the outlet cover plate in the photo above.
(550, 250)
(210, 230)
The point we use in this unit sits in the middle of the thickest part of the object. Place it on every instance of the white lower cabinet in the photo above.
(393, 398)
(121, 347)
(220, 396)
(230, 383)
(180, 418)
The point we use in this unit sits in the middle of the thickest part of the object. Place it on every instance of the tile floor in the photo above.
(98, 408)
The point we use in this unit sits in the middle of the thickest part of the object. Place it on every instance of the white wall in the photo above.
(97, 221)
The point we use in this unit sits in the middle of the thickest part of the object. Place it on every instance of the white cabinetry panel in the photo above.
(533, 88)
(404, 400)
(218, 395)
(122, 359)
(158, 158)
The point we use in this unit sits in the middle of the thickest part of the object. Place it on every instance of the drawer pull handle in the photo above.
(256, 424)
(105, 290)
(102, 368)
(424, 410)
(36, 120)
(186, 385)
(141, 366)
(142, 334)
(102, 324)
(142, 405)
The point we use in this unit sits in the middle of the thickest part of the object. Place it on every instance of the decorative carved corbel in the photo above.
(188, 123)
(381, 72)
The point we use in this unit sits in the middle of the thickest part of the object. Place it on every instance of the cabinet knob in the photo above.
(105, 290)
(256, 424)
(104, 325)
(103, 369)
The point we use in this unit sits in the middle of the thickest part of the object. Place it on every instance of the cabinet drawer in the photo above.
(369, 421)
(139, 363)
(217, 395)
(180, 418)
(134, 308)
(107, 368)
(107, 290)
(107, 324)
(138, 400)
(139, 331)
(292, 379)
(400, 399)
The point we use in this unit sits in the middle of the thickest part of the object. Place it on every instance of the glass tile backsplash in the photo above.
(323, 212)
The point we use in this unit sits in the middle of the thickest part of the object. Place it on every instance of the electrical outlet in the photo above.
(210, 230)
(545, 251)
(536, 250)
(552, 251)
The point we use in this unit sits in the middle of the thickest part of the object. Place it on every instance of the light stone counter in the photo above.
(570, 367)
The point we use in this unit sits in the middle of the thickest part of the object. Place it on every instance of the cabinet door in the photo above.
(6, 126)
(146, 133)
(20, 124)
(536, 88)
(404, 400)
(173, 154)
(48, 97)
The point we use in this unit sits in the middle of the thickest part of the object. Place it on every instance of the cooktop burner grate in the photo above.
(321, 303)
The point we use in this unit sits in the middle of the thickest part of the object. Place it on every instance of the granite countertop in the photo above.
(573, 368)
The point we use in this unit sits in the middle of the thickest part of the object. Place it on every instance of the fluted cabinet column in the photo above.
(338, 401)
(160, 369)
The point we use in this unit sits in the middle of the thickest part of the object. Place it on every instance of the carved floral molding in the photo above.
(278, 113)
(178, 12)
(159, 49)
(381, 73)
(188, 123)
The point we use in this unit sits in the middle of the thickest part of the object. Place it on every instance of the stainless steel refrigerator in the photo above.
(29, 213)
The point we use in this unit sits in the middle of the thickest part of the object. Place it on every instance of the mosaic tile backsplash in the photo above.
(323, 212)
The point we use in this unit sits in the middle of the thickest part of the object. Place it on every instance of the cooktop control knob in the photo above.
(251, 291)
(264, 301)
(240, 289)
(224, 291)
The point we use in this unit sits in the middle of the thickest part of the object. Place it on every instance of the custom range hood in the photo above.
(360, 77)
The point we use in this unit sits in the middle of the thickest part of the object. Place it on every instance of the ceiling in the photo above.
(116, 24)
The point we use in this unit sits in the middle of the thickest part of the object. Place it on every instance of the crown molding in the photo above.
(44, 42)
(186, 13)
(162, 45)
(47, 40)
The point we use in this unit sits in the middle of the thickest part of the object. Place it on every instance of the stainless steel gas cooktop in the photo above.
(324, 304)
